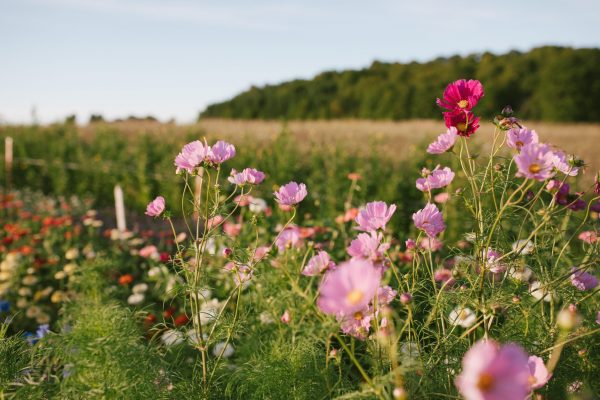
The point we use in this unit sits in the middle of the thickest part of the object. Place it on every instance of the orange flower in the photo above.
(125, 279)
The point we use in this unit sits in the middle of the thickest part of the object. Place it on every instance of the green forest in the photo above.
(546, 83)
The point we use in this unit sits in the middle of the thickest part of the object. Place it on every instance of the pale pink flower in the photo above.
(148, 251)
(288, 238)
(491, 372)
(232, 229)
(539, 374)
(438, 178)
(583, 280)
(441, 198)
(156, 207)
(444, 142)
(429, 220)
(317, 264)
(260, 253)
(356, 324)
(214, 221)
(375, 215)
(285, 317)
(221, 152)
(249, 176)
(291, 194)
(535, 161)
(431, 243)
(191, 156)
(385, 295)
(590, 237)
(561, 163)
(349, 288)
(519, 137)
(369, 246)
(444, 277)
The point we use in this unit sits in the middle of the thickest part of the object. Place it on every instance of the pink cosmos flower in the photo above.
(374, 215)
(214, 221)
(438, 178)
(291, 194)
(232, 229)
(349, 288)
(156, 207)
(369, 246)
(385, 295)
(444, 142)
(191, 156)
(260, 252)
(519, 137)
(461, 95)
(491, 372)
(317, 264)
(583, 280)
(431, 243)
(561, 163)
(444, 277)
(356, 324)
(410, 244)
(149, 251)
(247, 176)
(441, 198)
(590, 237)
(288, 238)
(539, 375)
(429, 220)
(464, 121)
(535, 161)
(221, 152)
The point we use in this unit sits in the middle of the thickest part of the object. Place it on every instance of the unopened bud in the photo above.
(568, 319)
(227, 252)
(405, 298)
(399, 394)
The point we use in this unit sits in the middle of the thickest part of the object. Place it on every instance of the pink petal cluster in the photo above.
(589, 237)
(374, 215)
(431, 243)
(444, 277)
(539, 374)
(156, 207)
(583, 280)
(317, 264)
(288, 238)
(221, 152)
(369, 246)
(444, 142)
(358, 323)
(438, 178)
(561, 163)
(535, 161)
(191, 156)
(519, 137)
(429, 220)
(247, 176)
(291, 194)
(494, 372)
(461, 95)
(349, 288)
(464, 121)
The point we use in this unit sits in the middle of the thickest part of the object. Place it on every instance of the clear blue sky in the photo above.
(172, 58)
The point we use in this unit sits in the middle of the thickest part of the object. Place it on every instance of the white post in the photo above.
(8, 160)
(120, 210)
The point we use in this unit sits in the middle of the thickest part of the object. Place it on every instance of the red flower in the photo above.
(125, 279)
(150, 319)
(181, 320)
(461, 95)
(168, 313)
(464, 121)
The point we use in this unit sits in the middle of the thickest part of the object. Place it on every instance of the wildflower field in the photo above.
(462, 264)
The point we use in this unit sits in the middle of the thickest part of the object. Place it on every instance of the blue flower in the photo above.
(42, 331)
(4, 306)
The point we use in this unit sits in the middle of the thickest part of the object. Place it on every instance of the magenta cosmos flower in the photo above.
(429, 220)
(317, 264)
(444, 142)
(247, 176)
(583, 280)
(539, 374)
(291, 194)
(535, 161)
(438, 178)
(221, 152)
(156, 207)
(519, 137)
(491, 372)
(461, 95)
(191, 156)
(349, 288)
(464, 121)
(374, 215)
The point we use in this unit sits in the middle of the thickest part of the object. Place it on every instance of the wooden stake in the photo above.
(120, 210)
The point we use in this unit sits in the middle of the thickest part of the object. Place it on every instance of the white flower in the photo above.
(72, 254)
(221, 347)
(209, 311)
(154, 272)
(540, 293)
(462, 316)
(523, 247)
(24, 291)
(30, 280)
(171, 337)
(521, 273)
(70, 268)
(140, 288)
(136, 298)
(5, 275)
(257, 205)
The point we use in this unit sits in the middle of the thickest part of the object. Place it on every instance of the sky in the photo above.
(170, 59)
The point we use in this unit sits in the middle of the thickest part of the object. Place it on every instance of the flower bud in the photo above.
(568, 319)
(405, 298)
(399, 394)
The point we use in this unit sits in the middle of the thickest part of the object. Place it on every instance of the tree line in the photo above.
(547, 83)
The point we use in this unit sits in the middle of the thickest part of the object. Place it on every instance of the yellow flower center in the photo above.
(463, 103)
(461, 126)
(535, 168)
(519, 144)
(354, 297)
(358, 316)
(532, 380)
(486, 382)
(464, 315)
